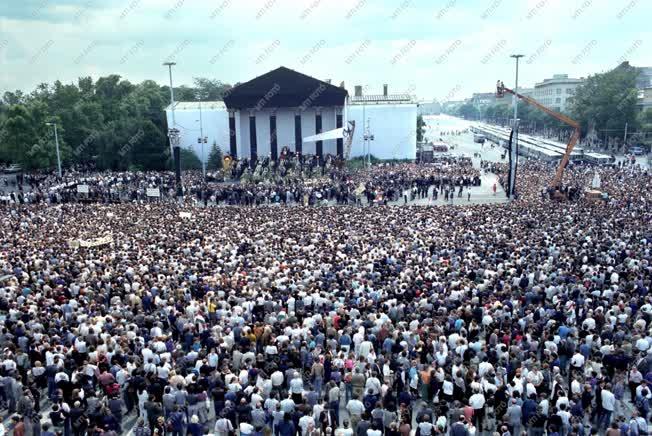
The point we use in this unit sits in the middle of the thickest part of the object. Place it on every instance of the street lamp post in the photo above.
(202, 141)
(173, 135)
(56, 141)
(169, 65)
(513, 155)
(368, 137)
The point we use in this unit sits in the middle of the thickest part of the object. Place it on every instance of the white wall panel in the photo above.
(308, 124)
(285, 129)
(393, 127)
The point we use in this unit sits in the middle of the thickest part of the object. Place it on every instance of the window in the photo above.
(558, 100)
(558, 91)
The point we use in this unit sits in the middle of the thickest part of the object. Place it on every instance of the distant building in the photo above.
(644, 99)
(527, 92)
(555, 92)
(429, 108)
(644, 79)
(481, 100)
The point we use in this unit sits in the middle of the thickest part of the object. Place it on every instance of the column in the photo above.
(233, 145)
(298, 141)
(253, 143)
(272, 136)
(340, 141)
(319, 145)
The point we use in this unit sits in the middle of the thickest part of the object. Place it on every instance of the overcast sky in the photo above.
(444, 49)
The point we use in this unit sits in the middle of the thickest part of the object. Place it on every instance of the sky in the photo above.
(434, 49)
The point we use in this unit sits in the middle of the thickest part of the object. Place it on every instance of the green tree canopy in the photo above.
(111, 123)
(607, 100)
(189, 159)
(215, 158)
(421, 128)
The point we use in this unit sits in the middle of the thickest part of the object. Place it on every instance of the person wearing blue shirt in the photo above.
(286, 426)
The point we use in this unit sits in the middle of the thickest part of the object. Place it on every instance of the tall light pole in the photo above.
(169, 65)
(56, 141)
(513, 155)
(202, 140)
(173, 134)
(368, 137)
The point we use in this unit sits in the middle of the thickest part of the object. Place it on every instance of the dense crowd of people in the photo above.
(530, 317)
(370, 185)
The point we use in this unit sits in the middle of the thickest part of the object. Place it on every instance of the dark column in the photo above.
(340, 141)
(177, 170)
(298, 141)
(272, 137)
(233, 145)
(319, 144)
(253, 143)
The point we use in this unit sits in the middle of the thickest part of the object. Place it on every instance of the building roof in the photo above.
(194, 105)
(558, 79)
(284, 87)
(378, 99)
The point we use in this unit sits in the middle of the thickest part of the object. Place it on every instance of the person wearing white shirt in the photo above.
(277, 379)
(372, 384)
(608, 404)
(305, 423)
(638, 425)
(476, 401)
(577, 361)
(296, 387)
(355, 408)
(287, 405)
(345, 430)
(246, 429)
(484, 368)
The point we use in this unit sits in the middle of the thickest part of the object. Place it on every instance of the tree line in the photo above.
(110, 123)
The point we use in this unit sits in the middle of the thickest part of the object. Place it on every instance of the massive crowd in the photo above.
(531, 317)
(328, 184)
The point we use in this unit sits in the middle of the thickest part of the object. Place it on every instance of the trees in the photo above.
(421, 128)
(468, 112)
(210, 89)
(189, 159)
(215, 158)
(607, 100)
(111, 122)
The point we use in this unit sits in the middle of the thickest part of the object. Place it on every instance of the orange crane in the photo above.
(556, 182)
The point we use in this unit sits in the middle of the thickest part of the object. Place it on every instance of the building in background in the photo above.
(429, 108)
(644, 79)
(644, 99)
(482, 100)
(527, 92)
(556, 91)
(282, 107)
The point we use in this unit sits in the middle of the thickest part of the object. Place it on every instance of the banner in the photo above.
(153, 192)
(82, 189)
(86, 243)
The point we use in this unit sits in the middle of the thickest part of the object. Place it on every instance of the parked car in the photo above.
(637, 150)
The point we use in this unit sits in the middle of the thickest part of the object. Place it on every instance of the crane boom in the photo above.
(556, 182)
